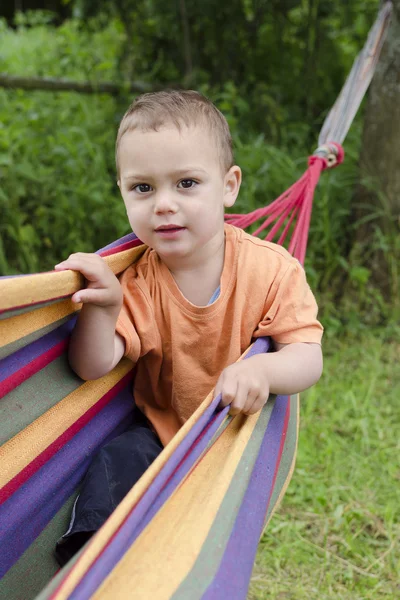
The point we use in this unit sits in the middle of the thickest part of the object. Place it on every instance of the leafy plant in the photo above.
(58, 191)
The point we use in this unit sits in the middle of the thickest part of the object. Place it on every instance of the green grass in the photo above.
(336, 534)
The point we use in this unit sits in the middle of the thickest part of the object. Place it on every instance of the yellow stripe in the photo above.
(41, 287)
(101, 539)
(18, 452)
(17, 327)
(169, 546)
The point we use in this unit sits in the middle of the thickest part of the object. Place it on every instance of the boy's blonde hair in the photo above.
(178, 107)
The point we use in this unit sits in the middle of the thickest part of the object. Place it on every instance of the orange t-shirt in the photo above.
(181, 349)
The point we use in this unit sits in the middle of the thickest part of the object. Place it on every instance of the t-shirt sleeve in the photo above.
(290, 311)
(136, 323)
(126, 329)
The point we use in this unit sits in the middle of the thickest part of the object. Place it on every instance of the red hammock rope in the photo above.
(292, 209)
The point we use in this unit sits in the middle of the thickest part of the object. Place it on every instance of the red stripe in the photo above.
(38, 363)
(110, 252)
(121, 247)
(111, 538)
(278, 461)
(189, 451)
(15, 483)
(34, 304)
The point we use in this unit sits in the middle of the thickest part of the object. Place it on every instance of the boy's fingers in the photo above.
(239, 400)
(256, 405)
(80, 256)
(72, 258)
(228, 391)
(90, 296)
(251, 399)
(77, 297)
(73, 264)
(90, 267)
(217, 389)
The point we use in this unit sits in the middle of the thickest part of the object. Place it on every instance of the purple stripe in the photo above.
(230, 581)
(182, 470)
(13, 363)
(27, 512)
(14, 276)
(164, 484)
(129, 237)
(124, 538)
(126, 238)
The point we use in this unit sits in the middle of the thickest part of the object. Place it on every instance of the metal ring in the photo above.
(329, 152)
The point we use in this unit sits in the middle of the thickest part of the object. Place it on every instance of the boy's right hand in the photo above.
(102, 288)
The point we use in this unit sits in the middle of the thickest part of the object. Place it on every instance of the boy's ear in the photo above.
(232, 182)
(119, 183)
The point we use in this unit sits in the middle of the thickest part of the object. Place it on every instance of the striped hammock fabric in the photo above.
(188, 529)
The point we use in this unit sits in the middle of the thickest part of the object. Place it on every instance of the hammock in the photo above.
(190, 527)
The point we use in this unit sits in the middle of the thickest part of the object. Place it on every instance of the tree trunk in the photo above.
(187, 47)
(377, 207)
(67, 85)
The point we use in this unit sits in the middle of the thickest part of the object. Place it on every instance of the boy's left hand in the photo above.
(244, 385)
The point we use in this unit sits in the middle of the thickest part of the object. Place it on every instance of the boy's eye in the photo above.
(142, 188)
(187, 183)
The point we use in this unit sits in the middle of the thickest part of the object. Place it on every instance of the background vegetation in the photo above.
(336, 536)
(274, 69)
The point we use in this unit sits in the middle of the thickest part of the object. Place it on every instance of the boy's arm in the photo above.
(292, 368)
(247, 384)
(95, 347)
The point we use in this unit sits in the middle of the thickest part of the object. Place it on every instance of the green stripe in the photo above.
(288, 455)
(7, 314)
(54, 583)
(37, 565)
(9, 349)
(219, 432)
(207, 564)
(35, 396)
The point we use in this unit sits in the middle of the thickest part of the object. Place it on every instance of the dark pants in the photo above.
(113, 472)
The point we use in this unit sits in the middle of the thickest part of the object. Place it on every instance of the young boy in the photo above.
(190, 306)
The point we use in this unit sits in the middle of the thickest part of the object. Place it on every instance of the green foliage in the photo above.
(56, 151)
(58, 192)
(37, 47)
(287, 58)
(336, 534)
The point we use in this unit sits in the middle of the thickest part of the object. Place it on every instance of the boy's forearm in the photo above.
(92, 347)
(293, 368)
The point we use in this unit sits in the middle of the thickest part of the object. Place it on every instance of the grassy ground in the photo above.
(336, 534)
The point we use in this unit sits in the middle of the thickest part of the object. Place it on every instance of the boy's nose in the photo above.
(165, 203)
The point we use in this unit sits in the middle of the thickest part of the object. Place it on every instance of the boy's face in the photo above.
(175, 191)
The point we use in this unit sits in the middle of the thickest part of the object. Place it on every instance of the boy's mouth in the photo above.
(169, 231)
(171, 227)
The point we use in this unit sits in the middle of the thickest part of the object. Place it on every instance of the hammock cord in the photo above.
(292, 209)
